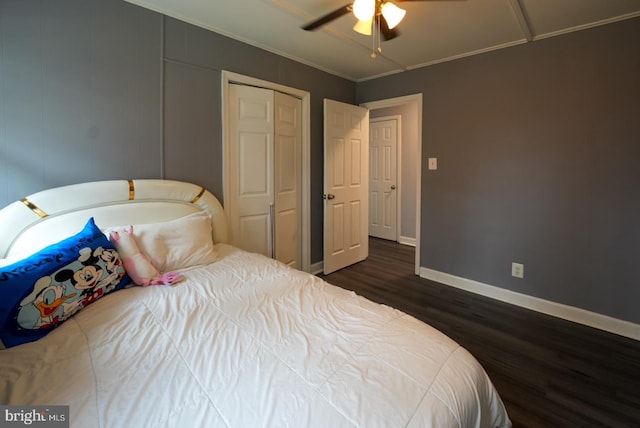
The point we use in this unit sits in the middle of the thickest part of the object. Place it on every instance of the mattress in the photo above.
(249, 342)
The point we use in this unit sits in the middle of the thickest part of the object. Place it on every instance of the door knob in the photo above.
(329, 196)
(393, 187)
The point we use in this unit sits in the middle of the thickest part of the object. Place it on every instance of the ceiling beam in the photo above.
(521, 16)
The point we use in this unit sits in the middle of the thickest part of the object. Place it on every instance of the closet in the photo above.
(264, 162)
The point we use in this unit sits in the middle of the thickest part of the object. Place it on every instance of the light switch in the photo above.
(433, 164)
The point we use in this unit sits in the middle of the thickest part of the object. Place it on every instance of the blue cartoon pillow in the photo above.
(41, 291)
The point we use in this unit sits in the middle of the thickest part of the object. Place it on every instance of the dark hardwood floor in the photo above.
(548, 372)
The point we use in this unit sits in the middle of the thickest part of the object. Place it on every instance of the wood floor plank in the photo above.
(549, 372)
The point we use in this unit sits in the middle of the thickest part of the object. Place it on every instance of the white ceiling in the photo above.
(433, 31)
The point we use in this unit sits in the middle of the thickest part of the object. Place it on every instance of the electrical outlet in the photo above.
(517, 270)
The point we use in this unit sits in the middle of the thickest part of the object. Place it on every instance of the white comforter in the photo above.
(247, 342)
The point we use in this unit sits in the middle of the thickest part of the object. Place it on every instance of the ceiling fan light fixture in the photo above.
(392, 14)
(364, 9)
(363, 27)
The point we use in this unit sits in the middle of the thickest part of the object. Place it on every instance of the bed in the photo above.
(240, 340)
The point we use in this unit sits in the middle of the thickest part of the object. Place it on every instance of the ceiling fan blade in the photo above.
(386, 32)
(327, 18)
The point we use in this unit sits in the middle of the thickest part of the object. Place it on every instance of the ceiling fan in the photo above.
(373, 15)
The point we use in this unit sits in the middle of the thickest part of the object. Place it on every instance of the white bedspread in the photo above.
(247, 342)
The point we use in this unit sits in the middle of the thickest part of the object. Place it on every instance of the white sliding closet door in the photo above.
(251, 162)
(288, 179)
(265, 163)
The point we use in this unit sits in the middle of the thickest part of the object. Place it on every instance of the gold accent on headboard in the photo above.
(132, 190)
(198, 196)
(34, 208)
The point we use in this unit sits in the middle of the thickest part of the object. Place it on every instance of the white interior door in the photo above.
(250, 203)
(383, 192)
(265, 180)
(288, 179)
(230, 171)
(346, 187)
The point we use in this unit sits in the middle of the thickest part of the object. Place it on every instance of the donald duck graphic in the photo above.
(58, 296)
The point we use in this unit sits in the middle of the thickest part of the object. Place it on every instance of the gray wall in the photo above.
(102, 89)
(538, 151)
(409, 136)
(79, 94)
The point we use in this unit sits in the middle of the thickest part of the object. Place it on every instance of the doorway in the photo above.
(410, 193)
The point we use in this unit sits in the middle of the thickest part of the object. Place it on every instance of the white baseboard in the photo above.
(317, 268)
(559, 310)
(405, 240)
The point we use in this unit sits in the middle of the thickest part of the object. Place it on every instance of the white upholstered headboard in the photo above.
(46, 217)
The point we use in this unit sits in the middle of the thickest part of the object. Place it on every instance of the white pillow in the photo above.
(176, 244)
(9, 261)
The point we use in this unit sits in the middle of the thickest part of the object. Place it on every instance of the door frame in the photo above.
(398, 119)
(398, 101)
(228, 78)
